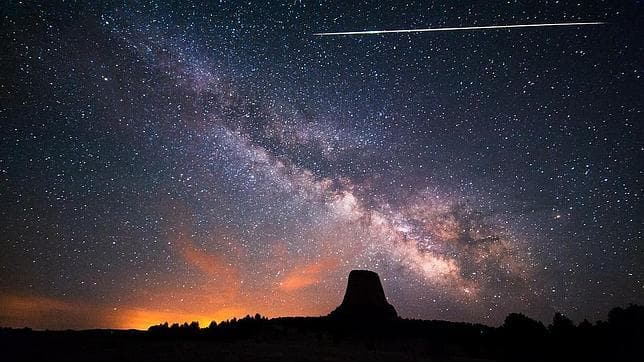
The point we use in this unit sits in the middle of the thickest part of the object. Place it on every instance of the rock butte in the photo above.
(364, 299)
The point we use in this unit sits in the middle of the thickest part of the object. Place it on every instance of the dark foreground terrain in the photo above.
(327, 339)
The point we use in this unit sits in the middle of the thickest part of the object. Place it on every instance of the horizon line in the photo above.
(465, 28)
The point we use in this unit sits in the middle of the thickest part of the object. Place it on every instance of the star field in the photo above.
(184, 161)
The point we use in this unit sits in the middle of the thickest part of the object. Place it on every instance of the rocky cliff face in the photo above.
(364, 299)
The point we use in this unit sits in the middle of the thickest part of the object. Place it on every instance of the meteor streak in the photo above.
(465, 28)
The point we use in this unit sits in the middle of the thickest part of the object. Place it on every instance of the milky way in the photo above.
(200, 162)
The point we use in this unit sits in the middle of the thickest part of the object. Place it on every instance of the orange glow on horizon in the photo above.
(217, 290)
(48, 313)
(144, 318)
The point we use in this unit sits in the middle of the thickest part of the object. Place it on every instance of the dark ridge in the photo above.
(365, 327)
(520, 338)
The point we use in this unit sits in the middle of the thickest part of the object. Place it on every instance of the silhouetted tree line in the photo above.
(519, 338)
(612, 340)
(228, 329)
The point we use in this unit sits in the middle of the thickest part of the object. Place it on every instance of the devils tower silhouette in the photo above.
(364, 299)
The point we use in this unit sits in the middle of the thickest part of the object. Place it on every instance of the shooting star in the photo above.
(465, 28)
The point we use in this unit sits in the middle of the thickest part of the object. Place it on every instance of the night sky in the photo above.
(206, 161)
